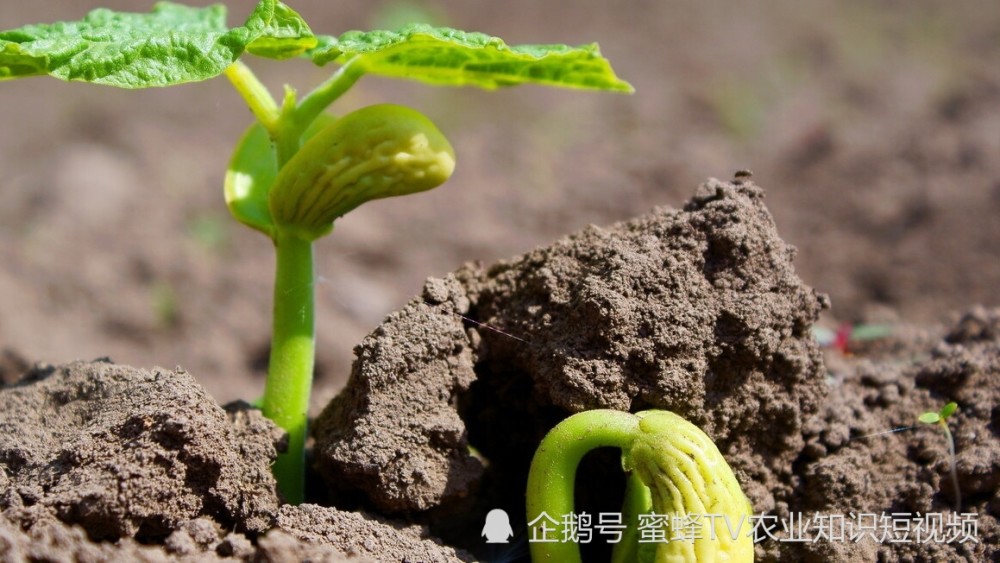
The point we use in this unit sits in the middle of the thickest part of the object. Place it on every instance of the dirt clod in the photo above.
(98, 459)
(698, 311)
(395, 428)
(130, 453)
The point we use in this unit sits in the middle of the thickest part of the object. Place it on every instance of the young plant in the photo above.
(297, 169)
(676, 475)
(941, 419)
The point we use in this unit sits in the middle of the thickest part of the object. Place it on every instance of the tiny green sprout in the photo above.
(297, 169)
(941, 419)
(676, 474)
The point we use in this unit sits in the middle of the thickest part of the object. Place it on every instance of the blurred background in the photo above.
(873, 126)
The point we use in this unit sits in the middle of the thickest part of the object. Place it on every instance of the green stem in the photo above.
(287, 136)
(553, 474)
(294, 118)
(325, 94)
(263, 106)
(954, 470)
(289, 375)
(638, 500)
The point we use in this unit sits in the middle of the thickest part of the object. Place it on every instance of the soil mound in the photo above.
(97, 460)
(698, 311)
(131, 453)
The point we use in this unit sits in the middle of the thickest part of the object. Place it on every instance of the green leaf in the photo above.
(948, 410)
(172, 44)
(448, 57)
(286, 35)
(929, 418)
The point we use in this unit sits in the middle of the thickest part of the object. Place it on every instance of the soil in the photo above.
(697, 310)
(103, 462)
(871, 125)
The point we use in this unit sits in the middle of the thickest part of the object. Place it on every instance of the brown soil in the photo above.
(103, 462)
(695, 310)
(872, 125)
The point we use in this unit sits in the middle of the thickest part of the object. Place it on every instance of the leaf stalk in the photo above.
(260, 101)
(326, 93)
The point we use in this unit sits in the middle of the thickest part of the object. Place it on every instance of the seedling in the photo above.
(676, 474)
(298, 169)
(941, 419)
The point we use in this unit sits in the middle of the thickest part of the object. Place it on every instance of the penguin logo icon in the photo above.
(497, 528)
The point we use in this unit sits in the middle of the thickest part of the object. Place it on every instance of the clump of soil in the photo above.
(126, 453)
(697, 311)
(97, 460)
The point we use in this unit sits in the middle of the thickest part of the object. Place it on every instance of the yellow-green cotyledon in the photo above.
(688, 478)
(682, 501)
(375, 152)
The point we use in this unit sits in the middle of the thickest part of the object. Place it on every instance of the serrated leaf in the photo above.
(286, 35)
(448, 57)
(172, 44)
